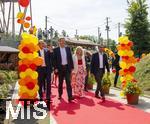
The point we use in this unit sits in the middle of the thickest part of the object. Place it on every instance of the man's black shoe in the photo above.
(70, 99)
(86, 90)
(59, 98)
(97, 96)
(103, 99)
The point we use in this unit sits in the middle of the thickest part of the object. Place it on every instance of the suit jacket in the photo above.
(116, 62)
(95, 63)
(58, 60)
(48, 60)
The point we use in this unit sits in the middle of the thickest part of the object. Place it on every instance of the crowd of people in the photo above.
(60, 65)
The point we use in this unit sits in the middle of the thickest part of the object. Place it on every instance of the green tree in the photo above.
(112, 45)
(138, 27)
(64, 34)
(56, 34)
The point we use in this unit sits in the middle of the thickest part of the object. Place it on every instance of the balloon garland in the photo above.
(29, 58)
(127, 60)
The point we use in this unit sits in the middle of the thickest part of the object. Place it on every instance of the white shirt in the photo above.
(63, 56)
(43, 56)
(101, 60)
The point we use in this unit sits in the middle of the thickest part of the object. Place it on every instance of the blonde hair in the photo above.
(41, 42)
(79, 48)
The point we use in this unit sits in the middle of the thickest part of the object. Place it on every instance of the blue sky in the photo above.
(84, 15)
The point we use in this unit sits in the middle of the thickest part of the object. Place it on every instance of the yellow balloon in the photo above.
(120, 53)
(122, 64)
(125, 53)
(28, 71)
(122, 79)
(129, 65)
(123, 39)
(22, 75)
(25, 35)
(34, 75)
(129, 77)
(130, 53)
(30, 56)
(33, 91)
(23, 89)
(21, 55)
(33, 39)
(122, 94)
(37, 88)
(20, 15)
(35, 54)
(126, 41)
(25, 41)
(34, 30)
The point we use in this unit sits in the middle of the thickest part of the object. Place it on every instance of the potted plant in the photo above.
(106, 83)
(91, 81)
(132, 92)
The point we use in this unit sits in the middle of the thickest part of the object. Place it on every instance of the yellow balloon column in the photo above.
(29, 58)
(127, 60)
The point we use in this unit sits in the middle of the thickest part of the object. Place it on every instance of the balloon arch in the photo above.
(28, 55)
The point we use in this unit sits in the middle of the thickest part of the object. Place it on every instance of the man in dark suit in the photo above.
(44, 71)
(117, 67)
(98, 64)
(63, 64)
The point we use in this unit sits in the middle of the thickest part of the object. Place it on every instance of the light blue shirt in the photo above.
(63, 55)
(101, 60)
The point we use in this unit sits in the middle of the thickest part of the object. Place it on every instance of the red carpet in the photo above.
(89, 110)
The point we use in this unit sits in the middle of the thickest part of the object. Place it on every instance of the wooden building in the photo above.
(87, 44)
(8, 58)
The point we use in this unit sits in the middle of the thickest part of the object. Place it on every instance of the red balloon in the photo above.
(22, 67)
(130, 44)
(19, 21)
(25, 50)
(24, 3)
(125, 70)
(132, 69)
(123, 45)
(114, 70)
(138, 59)
(123, 83)
(30, 85)
(126, 57)
(28, 18)
(33, 66)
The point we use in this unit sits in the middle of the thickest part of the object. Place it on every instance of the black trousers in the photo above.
(44, 81)
(48, 86)
(98, 78)
(64, 73)
(116, 77)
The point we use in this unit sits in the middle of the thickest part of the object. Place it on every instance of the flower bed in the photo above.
(7, 81)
